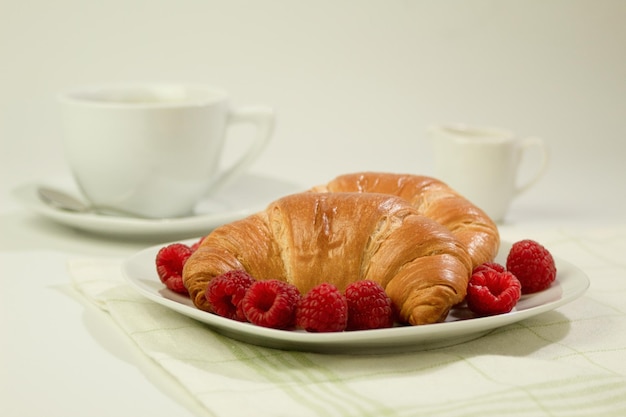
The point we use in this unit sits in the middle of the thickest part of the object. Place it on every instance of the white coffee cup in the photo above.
(482, 163)
(155, 149)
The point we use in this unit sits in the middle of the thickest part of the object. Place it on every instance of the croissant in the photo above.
(433, 199)
(310, 238)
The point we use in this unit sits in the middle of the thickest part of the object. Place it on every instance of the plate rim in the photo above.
(572, 282)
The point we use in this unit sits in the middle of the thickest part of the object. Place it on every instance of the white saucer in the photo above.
(247, 195)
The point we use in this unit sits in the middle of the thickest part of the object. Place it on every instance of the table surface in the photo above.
(60, 355)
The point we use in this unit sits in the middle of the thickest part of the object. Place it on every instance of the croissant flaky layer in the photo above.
(310, 238)
(433, 199)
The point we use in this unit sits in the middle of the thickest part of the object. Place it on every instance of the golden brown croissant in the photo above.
(310, 238)
(433, 199)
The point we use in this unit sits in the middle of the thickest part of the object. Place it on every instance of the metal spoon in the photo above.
(61, 200)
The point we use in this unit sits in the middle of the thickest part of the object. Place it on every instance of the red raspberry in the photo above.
(532, 264)
(491, 292)
(271, 303)
(323, 309)
(226, 292)
(369, 307)
(489, 265)
(169, 265)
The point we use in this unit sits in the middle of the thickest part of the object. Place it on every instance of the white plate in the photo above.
(247, 195)
(571, 282)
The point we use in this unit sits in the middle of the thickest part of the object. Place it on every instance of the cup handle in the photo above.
(264, 119)
(526, 144)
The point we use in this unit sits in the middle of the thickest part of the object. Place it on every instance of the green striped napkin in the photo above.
(567, 362)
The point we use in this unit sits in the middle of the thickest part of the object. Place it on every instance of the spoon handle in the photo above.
(64, 201)
(61, 200)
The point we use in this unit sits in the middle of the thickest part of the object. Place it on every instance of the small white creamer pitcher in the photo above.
(482, 163)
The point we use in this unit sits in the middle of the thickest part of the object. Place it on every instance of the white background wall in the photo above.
(348, 79)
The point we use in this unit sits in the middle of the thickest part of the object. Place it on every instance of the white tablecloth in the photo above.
(567, 362)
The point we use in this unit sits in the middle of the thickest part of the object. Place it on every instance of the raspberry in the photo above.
(491, 292)
(226, 292)
(323, 309)
(169, 265)
(369, 307)
(532, 264)
(271, 303)
(489, 265)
